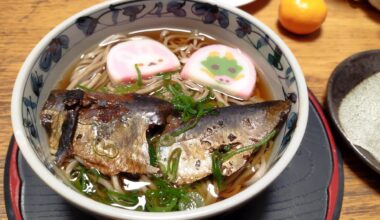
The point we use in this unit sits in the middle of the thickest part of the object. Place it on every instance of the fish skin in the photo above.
(109, 120)
(54, 113)
(233, 125)
(65, 141)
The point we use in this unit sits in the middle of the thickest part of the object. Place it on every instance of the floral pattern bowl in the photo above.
(58, 50)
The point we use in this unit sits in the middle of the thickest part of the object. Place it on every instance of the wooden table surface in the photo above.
(350, 27)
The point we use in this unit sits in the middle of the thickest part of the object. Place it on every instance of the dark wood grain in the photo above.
(350, 27)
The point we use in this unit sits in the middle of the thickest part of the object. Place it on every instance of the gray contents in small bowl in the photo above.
(359, 115)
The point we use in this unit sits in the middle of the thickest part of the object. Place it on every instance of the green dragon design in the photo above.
(223, 69)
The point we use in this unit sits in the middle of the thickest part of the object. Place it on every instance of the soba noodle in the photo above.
(91, 72)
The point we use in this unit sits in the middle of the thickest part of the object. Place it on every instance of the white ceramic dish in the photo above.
(46, 63)
(236, 3)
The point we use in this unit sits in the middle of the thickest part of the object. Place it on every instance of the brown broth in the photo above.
(65, 81)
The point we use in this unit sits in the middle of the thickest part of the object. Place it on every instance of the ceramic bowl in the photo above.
(54, 54)
(345, 77)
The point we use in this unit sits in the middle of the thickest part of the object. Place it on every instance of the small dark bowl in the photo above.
(344, 78)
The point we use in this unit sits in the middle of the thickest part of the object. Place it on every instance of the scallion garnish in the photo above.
(129, 88)
(103, 89)
(265, 140)
(124, 89)
(188, 107)
(86, 182)
(167, 76)
(217, 168)
(126, 199)
(85, 88)
(173, 163)
(107, 150)
(152, 153)
(191, 201)
(168, 198)
(168, 139)
(191, 112)
(83, 181)
(139, 77)
(218, 158)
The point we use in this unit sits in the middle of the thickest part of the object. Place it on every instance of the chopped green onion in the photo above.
(162, 168)
(152, 154)
(86, 89)
(232, 153)
(227, 147)
(182, 102)
(165, 198)
(159, 202)
(185, 128)
(188, 107)
(107, 150)
(168, 139)
(219, 158)
(124, 89)
(83, 183)
(191, 201)
(167, 76)
(126, 199)
(95, 173)
(217, 168)
(103, 89)
(160, 183)
(190, 110)
(139, 77)
(173, 163)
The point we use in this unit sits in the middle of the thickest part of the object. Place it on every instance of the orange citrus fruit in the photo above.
(302, 16)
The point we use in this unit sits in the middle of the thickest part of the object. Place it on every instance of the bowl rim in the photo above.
(102, 209)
